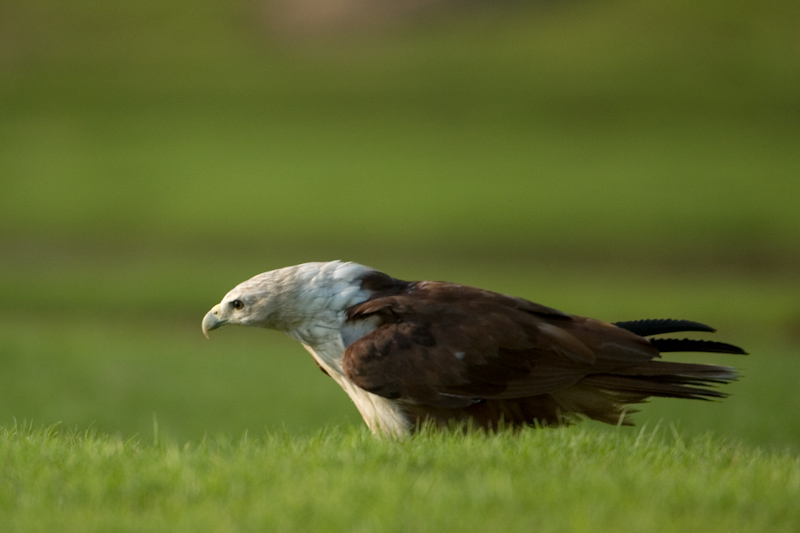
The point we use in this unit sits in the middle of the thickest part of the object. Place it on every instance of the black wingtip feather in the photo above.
(656, 326)
(693, 345)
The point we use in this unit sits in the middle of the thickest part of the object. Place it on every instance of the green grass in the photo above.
(344, 480)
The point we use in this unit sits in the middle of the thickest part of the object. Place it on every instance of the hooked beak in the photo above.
(212, 321)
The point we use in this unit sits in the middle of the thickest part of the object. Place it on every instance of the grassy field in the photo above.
(614, 160)
(344, 480)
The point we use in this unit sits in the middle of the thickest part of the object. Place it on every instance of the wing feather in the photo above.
(656, 326)
(446, 345)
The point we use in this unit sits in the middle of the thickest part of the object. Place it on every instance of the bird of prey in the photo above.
(415, 353)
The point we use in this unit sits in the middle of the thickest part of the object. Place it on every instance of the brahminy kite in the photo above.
(414, 353)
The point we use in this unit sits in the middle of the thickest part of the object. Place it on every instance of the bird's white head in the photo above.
(298, 300)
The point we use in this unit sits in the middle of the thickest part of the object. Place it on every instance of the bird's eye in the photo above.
(237, 304)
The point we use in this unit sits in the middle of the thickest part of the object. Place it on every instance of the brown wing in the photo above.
(450, 346)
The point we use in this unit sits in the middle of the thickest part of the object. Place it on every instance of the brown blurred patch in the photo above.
(791, 328)
(323, 19)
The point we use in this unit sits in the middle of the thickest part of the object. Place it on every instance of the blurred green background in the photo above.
(616, 159)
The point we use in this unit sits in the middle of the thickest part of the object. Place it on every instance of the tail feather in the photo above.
(693, 345)
(667, 379)
(681, 372)
(662, 386)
